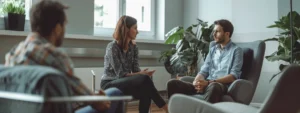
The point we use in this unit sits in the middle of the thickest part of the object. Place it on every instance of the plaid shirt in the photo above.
(36, 50)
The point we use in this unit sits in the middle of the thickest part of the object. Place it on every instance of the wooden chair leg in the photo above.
(125, 106)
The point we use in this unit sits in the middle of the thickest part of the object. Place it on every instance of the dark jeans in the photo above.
(141, 87)
(115, 107)
(213, 92)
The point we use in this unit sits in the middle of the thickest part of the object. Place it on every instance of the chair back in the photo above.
(252, 61)
(43, 82)
(284, 98)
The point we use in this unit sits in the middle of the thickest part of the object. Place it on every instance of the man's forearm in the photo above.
(226, 79)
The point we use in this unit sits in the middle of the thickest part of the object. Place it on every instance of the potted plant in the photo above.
(285, 46)
(191, 48)
(14, 14)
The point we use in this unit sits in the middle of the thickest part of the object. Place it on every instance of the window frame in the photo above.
(107, 32)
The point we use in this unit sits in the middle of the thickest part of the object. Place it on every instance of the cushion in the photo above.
(247, 61)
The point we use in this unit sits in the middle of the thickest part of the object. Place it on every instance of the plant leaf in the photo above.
(174, 35)
(275, 76)
(273, 57)
(297, 33)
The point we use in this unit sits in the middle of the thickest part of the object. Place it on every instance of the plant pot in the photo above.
(14, 21)
(173, 72)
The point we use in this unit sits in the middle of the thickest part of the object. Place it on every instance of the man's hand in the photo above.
(200, 85)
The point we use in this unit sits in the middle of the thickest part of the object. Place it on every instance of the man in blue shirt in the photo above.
(222, 66)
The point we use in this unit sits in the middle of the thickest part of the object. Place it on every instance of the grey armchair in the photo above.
(242, 90)
(39, 89)
(283, 98)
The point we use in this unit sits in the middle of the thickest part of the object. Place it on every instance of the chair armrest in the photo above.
(40, 99)
(87, 98)
(180, 103)
(187, 79)
(21, 97)
(241, 91)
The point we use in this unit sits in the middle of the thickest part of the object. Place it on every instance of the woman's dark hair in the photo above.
(123, 26)
(45, 15)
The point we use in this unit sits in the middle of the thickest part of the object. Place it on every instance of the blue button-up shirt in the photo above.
(223, 61)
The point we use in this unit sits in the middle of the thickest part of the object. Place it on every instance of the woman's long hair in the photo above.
(123, 26)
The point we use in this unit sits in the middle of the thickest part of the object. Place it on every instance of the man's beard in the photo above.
(221, 40)
(59, 41)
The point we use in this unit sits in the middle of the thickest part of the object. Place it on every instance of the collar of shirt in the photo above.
(226, 46)
(35, 37)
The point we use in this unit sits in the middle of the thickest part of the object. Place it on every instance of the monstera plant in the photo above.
(191, 48)
(286, 49)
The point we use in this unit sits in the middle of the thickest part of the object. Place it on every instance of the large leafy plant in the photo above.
(13, 6)
(191, 47)
(286, 47)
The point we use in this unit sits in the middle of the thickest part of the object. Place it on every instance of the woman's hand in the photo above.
(150, 73)
(133, 42)
(146, 72)
(103, 105)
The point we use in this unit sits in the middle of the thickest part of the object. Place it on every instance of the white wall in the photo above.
(284, 7)
(190, 12)
(174, 14)
(160, 19)
(210, 10)
(169, 15)
(80, 16)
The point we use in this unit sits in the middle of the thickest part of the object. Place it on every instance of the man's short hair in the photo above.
(45, 15)
(226, 25)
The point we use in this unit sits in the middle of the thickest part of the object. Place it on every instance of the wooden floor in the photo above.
(135, 109)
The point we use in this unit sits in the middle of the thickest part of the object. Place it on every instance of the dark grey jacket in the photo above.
(38, 80)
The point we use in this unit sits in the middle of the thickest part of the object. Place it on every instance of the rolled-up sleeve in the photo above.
(237, 63)
(204, 71)
(115, 61)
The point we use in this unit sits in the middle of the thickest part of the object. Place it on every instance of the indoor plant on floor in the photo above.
(285, 46)
(14, 14)
(191, 48)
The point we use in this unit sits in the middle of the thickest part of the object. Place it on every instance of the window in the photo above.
(107, 13)
(141, 10)
(28, 4)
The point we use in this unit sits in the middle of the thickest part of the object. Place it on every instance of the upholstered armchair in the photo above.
(282, 98)
(39, 89)
(242, 90)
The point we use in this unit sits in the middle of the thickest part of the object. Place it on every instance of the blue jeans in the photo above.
(115, 107)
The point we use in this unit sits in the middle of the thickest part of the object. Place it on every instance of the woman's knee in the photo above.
(144, 78)
(113, 92)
